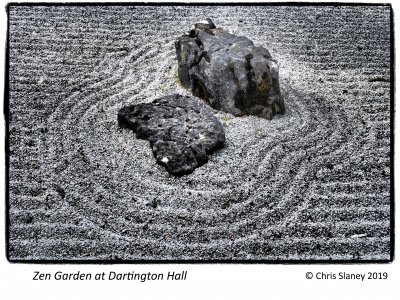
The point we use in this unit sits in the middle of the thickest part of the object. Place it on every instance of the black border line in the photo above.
(392, 141)
(294, 3)
(6, 108)
(335, 4)
(208, 261)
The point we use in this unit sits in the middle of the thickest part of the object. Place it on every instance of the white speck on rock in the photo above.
(202, 136)
(165, 160)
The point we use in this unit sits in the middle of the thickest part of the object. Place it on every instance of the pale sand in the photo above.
(313, 183)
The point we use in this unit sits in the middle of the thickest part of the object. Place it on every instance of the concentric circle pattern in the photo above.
(313, 183)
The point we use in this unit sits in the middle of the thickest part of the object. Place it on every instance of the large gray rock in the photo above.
(181, 131)
(229, 71)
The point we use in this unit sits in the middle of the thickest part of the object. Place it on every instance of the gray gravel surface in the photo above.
(313, 183)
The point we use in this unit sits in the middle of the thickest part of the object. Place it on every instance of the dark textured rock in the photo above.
(229, 71)
(181, 131)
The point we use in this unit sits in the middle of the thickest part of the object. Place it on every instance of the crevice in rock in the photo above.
(199, 89)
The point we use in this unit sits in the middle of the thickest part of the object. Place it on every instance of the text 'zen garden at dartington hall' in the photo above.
(111, 275)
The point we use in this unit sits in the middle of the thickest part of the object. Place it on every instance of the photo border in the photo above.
(200, 261)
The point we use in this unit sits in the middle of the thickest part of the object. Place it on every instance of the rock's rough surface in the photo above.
(181, 131)
(229, 71)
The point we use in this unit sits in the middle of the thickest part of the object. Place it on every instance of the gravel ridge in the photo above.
(312, 184)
